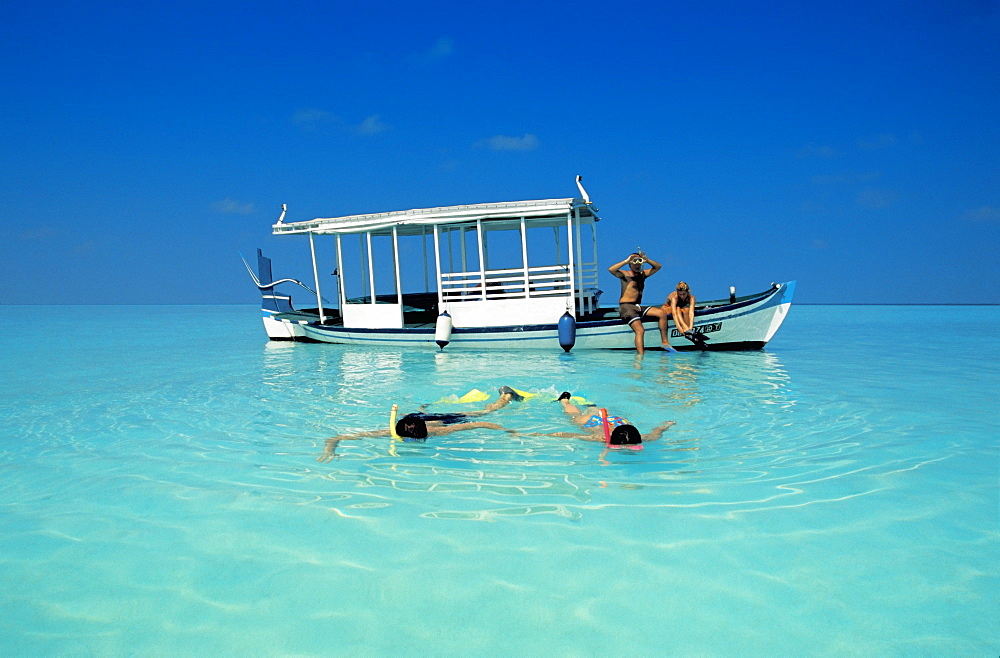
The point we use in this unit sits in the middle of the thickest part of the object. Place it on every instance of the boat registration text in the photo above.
(699, 329)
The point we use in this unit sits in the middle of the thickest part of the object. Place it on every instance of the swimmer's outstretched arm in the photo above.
(657, 432)
(598, 437)
(561, 435)
(570, 435)
(331, 443)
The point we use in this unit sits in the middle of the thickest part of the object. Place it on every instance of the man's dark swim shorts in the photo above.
(631, 312)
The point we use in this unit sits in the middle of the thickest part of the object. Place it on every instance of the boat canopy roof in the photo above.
(545, 212)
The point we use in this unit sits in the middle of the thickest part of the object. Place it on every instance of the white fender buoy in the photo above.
(567, 331)
(442, 330)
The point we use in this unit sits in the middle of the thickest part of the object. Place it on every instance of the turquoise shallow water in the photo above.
(836, 493)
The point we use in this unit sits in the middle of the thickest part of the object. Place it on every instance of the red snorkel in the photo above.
(607, 428)
(607, 433)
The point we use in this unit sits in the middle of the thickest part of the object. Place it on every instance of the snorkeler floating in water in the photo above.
(622, 434)
(418, 426)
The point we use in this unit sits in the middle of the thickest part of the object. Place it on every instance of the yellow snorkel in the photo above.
(392, 430)
(392, 423)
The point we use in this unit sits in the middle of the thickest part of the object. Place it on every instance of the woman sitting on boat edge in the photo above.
(680, 307)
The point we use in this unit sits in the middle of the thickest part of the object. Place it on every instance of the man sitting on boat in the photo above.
(418, 426)
(633, 281)
(679, 306)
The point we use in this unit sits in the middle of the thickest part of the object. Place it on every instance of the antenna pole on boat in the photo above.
(583, 192)
(319, 297)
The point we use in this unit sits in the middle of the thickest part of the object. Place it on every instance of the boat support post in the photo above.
(524, 258)
(371, 266)
(395, 264)
(482, 258)
(319, 296)
(578, 282)
(437, 266)
(569, 249)
(342, 294)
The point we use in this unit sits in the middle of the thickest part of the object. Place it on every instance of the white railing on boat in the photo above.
(588, 294)
(520, 283)
(549, 281)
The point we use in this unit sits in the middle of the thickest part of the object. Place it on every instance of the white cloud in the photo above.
(84, 248)
(442, 49)
(850, 177)
(230, 206)
(507, 143)
(814, 150)
(39, 233)
(311, 117)
(983, 214)
(877, 142)
(372, 125)
(812, 207)
(876, 198)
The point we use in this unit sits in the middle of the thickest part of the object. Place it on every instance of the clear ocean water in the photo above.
(835, 494)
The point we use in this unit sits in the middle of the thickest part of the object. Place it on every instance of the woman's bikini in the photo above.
(613, 421)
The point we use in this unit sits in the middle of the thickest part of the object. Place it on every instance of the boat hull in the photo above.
(745, 325)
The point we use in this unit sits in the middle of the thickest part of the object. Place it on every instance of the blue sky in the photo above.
(853, 146)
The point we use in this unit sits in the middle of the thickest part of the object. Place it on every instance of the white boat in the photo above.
(514, 275)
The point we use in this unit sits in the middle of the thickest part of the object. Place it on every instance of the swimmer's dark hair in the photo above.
(411, 427)
(625, 435)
